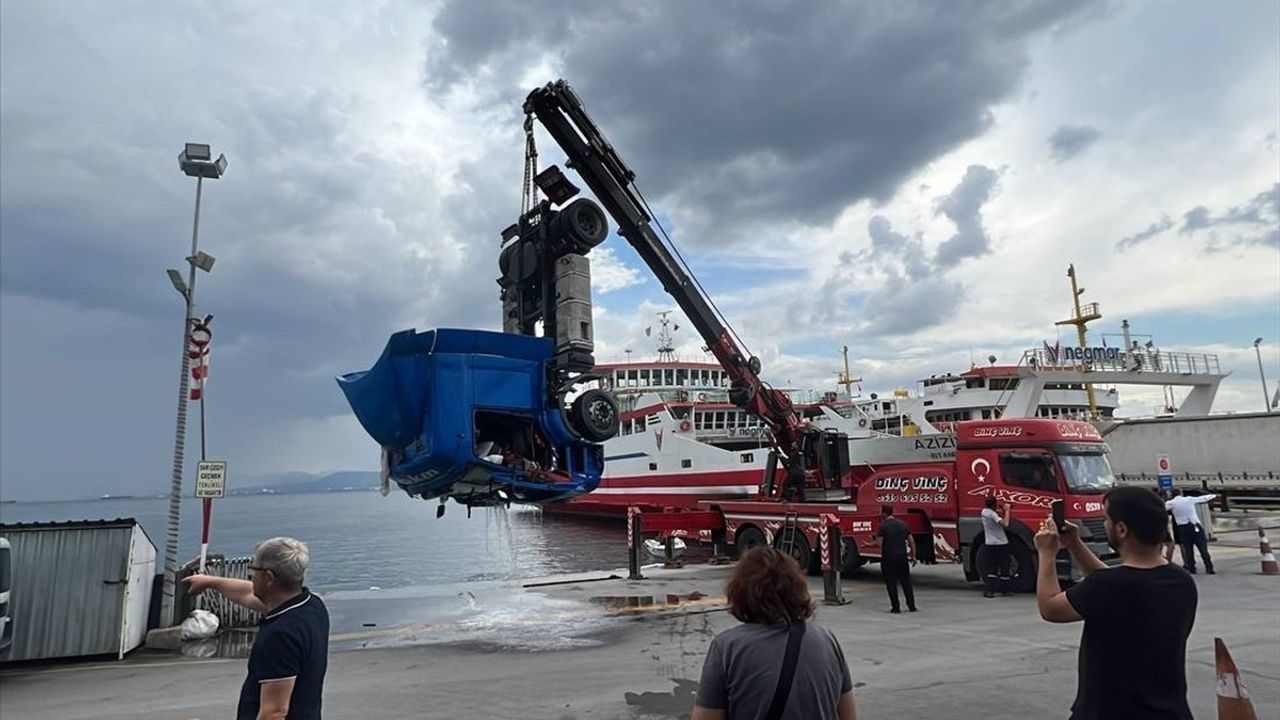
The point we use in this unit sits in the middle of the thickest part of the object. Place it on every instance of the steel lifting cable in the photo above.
(529, 189)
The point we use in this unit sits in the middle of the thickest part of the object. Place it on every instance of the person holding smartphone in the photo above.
(994, 555)
(1136, 615)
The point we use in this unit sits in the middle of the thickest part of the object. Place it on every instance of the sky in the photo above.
(907, 179)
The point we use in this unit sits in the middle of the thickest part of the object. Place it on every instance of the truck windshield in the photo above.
(1087, 474)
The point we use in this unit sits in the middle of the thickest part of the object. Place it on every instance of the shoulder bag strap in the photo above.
(788, 672)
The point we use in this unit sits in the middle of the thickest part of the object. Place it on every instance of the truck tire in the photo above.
(594, 414)
(1022, 567)
(850, 558)
(793, 543)
(747, 538)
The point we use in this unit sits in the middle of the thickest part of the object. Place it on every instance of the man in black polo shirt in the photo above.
(291, 651)
(897, 555)
(1137, 616)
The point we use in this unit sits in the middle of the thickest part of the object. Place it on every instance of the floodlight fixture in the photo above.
(1257, 342)
(196, 161)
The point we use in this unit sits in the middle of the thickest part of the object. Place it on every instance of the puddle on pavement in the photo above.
(676, 704)
(234, 643)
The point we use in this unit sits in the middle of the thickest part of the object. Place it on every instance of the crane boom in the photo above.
(594, 159)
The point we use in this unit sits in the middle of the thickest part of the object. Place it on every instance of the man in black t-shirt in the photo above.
(291, 651)
(1137, 616)
(897, 555)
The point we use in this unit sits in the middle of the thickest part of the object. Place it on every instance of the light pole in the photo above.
(196, 161)
(1266, 398)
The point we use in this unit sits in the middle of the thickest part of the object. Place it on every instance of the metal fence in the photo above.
(1209, 482)
(230, 615)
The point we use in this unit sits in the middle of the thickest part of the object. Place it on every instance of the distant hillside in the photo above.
(295, 483)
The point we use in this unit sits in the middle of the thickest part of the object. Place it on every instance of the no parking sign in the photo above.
(1164, 472)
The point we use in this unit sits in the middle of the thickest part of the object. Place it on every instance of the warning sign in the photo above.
(1164, 472)
(211, 479)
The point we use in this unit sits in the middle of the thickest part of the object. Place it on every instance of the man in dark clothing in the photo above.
(1136, 615)
(291, 651)
(897, 555)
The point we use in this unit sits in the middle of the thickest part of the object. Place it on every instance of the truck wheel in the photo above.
(1022, 567)
(850, 558)
(747, 538)
(594, 414)
(793, 543)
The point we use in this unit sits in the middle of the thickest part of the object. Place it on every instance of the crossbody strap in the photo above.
(788, 672)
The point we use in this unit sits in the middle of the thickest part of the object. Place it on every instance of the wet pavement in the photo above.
(594, 647)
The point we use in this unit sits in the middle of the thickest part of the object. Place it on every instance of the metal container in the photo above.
(79, 588)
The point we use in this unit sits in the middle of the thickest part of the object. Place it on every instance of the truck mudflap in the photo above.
(467, 414)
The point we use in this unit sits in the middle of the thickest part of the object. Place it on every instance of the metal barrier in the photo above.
(1209, 482)
(230, 615)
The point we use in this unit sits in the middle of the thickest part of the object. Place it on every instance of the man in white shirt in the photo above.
(994, 556)
(1187, 530)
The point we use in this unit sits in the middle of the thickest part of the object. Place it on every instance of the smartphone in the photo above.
(1059, 518)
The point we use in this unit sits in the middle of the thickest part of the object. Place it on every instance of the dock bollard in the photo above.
(634, 544)
(669, 552)
(829, 544)
(1269, 566)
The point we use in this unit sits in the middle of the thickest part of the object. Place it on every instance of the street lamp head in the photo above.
(196, 161)
(179, 284)
(202, 260)
(1257, 342)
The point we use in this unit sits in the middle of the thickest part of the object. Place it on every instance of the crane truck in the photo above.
(814, 476)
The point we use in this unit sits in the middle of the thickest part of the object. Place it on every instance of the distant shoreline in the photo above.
(248, 492)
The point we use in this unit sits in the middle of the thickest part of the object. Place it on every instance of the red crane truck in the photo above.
(936, 483)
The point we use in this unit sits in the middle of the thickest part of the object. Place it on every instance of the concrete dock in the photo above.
(616, 649)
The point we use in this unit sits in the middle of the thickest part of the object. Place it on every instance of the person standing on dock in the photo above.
(897, 555)
(1137, 615)
(291, 651)
(995, 549)
(1187, 530)
(742, 676)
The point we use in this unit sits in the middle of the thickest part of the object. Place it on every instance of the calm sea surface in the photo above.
(360, 540)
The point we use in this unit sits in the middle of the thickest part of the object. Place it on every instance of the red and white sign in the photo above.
(1163, 465)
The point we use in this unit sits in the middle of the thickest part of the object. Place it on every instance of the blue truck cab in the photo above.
(471, 414)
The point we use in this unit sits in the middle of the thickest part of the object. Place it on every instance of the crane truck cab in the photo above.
(1024, 463)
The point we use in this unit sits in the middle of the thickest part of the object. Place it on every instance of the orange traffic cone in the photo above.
(1233, 698)
(1269, 566)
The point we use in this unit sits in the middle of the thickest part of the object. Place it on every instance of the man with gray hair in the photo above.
(291, 651)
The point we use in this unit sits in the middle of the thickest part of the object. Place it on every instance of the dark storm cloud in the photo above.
(1252, 223)
(1069, 141)
(963, 206)
(747, 114)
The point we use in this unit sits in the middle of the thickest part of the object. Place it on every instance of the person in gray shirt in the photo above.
(994, 555)
(743, 668)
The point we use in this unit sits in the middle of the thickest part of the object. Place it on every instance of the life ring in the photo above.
(862, 422)
(702, 397)
(685, 426)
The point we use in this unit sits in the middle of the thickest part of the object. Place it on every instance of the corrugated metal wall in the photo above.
(68, 589)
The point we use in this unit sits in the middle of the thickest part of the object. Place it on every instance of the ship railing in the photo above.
(1118, 360)
(1209, 482)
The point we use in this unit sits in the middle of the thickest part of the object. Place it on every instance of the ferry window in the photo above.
(682, 376)
(686, 463)
(986, 414)
(720, 420)
(668, 377)
(1034, 472)
(748, 457)
(651, 420)
(973, 383)
(653, 466)
(644, 377)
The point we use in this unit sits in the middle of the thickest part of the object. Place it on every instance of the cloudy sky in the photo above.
(909, 179)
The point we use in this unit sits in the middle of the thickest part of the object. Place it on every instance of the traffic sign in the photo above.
(1164, 472)
(211, 479)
